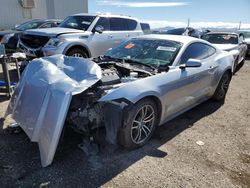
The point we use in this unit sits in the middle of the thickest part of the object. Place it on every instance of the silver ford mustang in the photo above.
(133, 88)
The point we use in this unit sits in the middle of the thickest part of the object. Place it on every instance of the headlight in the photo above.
(54, 42)
(6, 38)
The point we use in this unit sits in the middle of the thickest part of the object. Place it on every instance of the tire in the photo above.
(135, 132)
(77, 52)
(222, 88)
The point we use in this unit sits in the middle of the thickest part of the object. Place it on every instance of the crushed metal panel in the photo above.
(41, 100)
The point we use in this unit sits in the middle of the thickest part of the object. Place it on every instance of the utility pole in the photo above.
(240, 25)
(188, 22)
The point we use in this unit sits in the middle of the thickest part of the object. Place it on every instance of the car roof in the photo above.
(104, 15)
(176, 38)
(222, 32)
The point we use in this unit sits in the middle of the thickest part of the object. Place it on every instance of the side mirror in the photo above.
(99, 29)
(191, 63)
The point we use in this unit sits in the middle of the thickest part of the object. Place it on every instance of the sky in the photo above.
(175, 13)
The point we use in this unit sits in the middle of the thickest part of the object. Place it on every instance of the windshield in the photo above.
(29, 25)
(77, 22)
(221, 38)
(246, 34)
(156, 53)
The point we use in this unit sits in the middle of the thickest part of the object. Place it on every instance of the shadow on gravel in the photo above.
(3, 98)
(20, 160)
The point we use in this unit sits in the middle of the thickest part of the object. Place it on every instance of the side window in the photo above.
(104, 22)
(132, 24)
(197, 51)
(118, 24)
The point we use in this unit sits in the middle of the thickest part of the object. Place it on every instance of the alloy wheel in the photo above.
(143, 123)
(224, 85)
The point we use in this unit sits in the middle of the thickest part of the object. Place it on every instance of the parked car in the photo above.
(133, 88)
(186, 31)
(80, 35)
(246, 34)
(10, 37)
(231, 42)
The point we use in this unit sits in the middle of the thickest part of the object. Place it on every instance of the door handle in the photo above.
(111, 36)
(211, 67)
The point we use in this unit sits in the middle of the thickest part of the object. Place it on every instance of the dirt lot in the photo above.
(171, 159)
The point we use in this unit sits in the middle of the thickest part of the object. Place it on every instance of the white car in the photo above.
(246, 34)
(231, 42)
(80, 35)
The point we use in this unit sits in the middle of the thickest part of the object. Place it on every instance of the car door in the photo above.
(192, 83)
(134, 29)
(101, 42)
(119, 28)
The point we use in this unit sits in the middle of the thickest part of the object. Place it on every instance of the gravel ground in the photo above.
(171, 159)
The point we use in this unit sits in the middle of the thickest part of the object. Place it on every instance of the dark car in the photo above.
(187, 31)
(10, 37)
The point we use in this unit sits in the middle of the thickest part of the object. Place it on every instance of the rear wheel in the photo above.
(139, 124)
(221, 90)
(77, 52)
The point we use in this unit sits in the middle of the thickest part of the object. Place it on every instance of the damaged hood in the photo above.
(52, 32)
(41, 100)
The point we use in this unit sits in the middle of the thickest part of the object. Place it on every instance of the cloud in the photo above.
(199, 25)
(137, 4)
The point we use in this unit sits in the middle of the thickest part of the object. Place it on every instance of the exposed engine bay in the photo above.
(86, 113)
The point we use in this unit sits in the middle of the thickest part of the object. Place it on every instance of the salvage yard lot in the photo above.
(171, 159)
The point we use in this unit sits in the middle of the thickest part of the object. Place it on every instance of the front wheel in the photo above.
(77, 52)
(221, 90)
(139, 124)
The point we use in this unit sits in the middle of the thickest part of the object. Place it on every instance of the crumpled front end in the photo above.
(41, 100)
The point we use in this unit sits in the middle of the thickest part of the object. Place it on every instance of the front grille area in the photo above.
(248, 46)
(33, 41)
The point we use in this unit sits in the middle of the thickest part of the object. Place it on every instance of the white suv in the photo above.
(80, 35)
